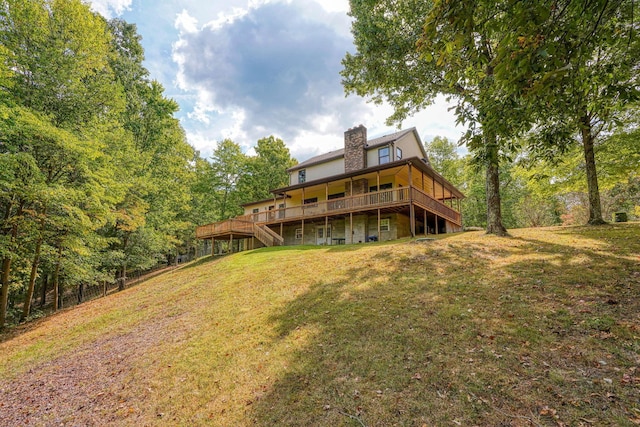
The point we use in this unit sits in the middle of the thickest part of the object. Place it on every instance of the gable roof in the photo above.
(372, 143)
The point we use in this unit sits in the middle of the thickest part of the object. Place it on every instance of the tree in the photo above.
(228, 165)
(267, 170)
(444, 158)
(409, 51)
(576, 63)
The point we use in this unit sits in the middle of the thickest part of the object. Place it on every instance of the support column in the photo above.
(351, 227)
(412, 209)
(437, 231)
(230, 243)
(426, 228)
(213, 246)
(303, 229)
(281, 227)
(379, 237)
(326, 227)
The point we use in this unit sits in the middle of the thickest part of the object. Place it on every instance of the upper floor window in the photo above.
(384, 155)
(398, 153)
(302, 176)
(255, 210)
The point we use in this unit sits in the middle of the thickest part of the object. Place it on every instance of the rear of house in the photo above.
(372, 190)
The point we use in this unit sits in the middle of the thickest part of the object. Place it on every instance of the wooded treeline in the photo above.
(533, 81)
(536, 193)
(96, 176)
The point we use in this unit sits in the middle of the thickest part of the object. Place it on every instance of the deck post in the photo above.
(326, 226)
(426, 229)
(302, 230)
(436, 227)
(281, 227)
(412, 208)
(379, 237)
(213, 246)
(231, 243)
(351, 227)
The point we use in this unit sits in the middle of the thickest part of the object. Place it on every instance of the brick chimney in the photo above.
(355, 154)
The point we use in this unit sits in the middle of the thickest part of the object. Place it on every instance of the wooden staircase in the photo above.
(267, 236)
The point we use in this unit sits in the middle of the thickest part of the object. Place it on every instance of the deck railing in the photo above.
(266, 235)
(235, 225)
(360, 202)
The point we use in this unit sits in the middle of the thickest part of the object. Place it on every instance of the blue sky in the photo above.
(246, 69)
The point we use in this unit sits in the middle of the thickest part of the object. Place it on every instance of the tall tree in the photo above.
(408, 51)
(267, 170)
(228, 164)
(577, 63)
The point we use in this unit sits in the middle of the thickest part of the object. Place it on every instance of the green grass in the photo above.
(540, 328)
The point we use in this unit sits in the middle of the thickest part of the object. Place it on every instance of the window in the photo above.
(255, 210)
(398, 153)
(311, 200)
(336, 196)
(302, 176)
(383, 155)
(298, 233)
(387, 186)
(385, 224)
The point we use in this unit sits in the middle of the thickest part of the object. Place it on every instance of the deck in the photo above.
(397, 198)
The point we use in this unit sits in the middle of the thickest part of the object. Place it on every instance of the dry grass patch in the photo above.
(540, 328)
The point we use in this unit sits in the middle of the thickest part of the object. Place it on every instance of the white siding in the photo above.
(410, 146)
(319, 171)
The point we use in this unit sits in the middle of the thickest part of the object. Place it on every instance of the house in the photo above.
(371, 190)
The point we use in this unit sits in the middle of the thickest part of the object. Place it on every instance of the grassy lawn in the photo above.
(541, 328)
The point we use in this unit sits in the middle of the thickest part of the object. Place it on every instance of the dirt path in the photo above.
(91, 387)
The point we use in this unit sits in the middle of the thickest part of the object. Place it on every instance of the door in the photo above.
(323, 235)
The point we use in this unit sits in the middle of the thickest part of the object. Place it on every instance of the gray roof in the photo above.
(336, 154)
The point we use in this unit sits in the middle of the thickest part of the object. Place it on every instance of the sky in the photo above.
(248, 69)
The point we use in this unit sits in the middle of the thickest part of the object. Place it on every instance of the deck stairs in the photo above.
(267, 236)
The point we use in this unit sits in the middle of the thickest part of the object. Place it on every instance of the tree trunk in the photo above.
(122, 273)
(595, 209)
(56, 281)
(4, 292)
(26, 309)
(43, 291)
(492, 185)
(6, 268)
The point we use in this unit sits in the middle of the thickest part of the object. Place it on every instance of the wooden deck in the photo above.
(398, 198)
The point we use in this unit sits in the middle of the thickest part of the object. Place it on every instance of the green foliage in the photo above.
(95, 170)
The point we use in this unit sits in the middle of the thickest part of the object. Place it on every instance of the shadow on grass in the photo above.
(442, 336)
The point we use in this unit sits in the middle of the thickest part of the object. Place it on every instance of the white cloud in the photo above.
(186, 23)
(278, 63)
(110, 8)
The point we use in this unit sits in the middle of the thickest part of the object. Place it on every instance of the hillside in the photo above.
(540, 328)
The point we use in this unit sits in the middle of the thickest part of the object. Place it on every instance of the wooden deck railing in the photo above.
(236, 225)
(361, 202)
(267, 235)
(426, 201)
